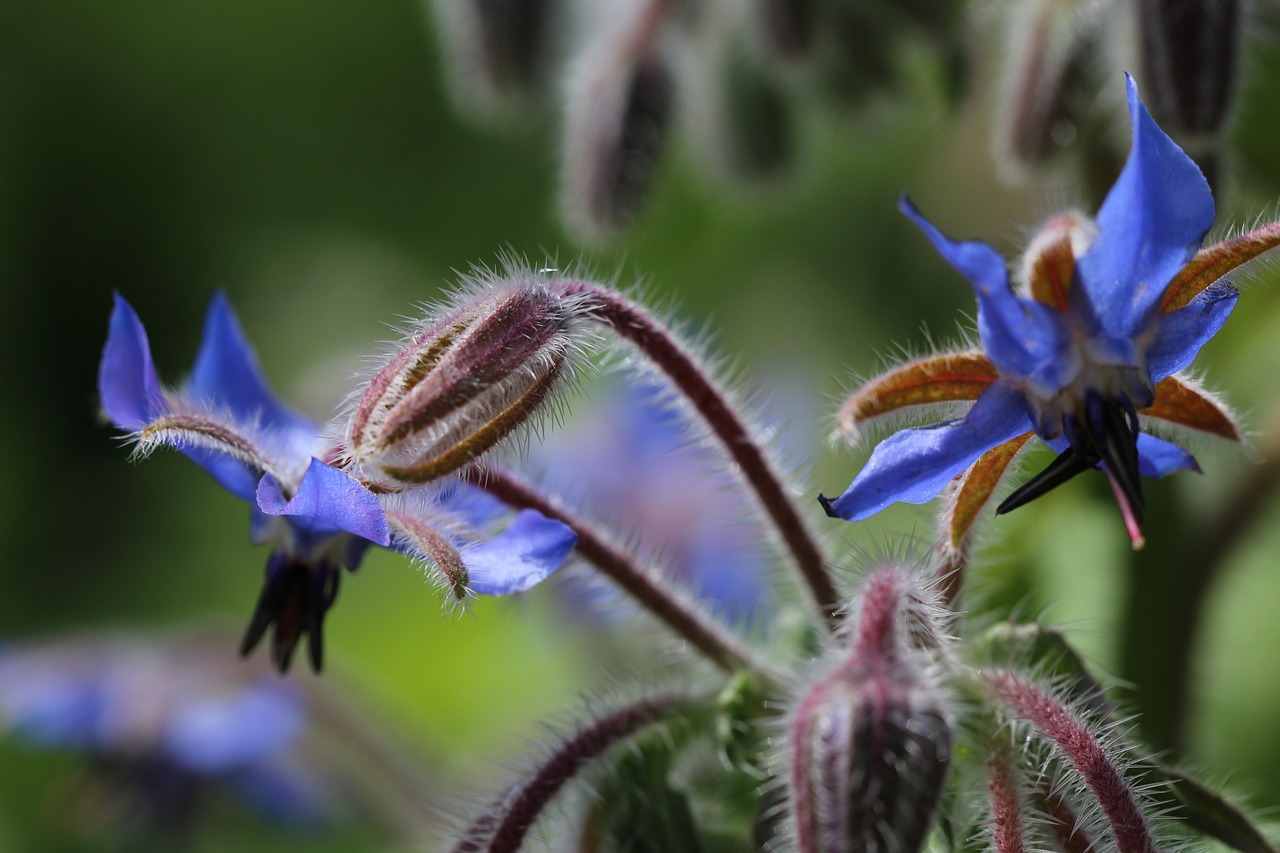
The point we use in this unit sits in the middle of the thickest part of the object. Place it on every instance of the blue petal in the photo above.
(215, 734)
(1157, 457)
(1181, 334)
(1023, 337)
(231, 473)
(914, 465)
(127, 382)
(526, 553)
(226, 373)
(327, 501)
(53, 709)
(1150, 225)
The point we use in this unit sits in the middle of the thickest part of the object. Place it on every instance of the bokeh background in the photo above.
(304, 158)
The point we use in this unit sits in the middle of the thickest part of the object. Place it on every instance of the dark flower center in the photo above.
(1106, 432)
(295, 598)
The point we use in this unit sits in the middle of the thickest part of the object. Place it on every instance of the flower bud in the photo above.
(618, 112)
(1046, 84)
(461, 384)
(1190, 51)
(869, 751)
(496, 50)
(870, 743)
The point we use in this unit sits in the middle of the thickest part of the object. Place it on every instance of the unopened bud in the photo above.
(619, 107)
(495, 49)
(460, 385)
(870, 744)
(1190, 57)
(1046, 83)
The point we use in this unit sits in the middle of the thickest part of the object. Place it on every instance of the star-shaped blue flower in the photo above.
(1087, 357)
(317, 517)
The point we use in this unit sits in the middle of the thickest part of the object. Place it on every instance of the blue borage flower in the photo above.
(1087, 357)
(316, 516)
(164, 722)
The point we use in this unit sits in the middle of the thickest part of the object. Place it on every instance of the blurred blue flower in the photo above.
(317, 518)
(1079, 356)
(164, 724)
(634, 462)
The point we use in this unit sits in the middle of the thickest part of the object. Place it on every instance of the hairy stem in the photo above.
(1060, 726)
(597, 548)
(661, 347)
(1006, 803)
(504, 825)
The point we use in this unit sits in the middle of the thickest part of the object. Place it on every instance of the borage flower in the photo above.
(317, 517)
(1087, 357)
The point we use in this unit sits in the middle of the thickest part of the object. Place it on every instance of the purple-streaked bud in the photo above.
(871, 742)
(460, 384)
(1045, 85)
(1190, 51)
(495, 49)
(618, 111)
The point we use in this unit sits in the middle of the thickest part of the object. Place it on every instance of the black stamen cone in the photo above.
(295, 598)
(1108, 433)
(1060, 470)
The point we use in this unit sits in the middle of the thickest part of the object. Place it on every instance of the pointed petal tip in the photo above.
(128, 387)
(828, 506)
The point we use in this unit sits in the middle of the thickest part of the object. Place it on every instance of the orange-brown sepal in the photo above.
(935, 380)
(968, 495)
(1049, 265)
(1213, 262)
(1184, 403)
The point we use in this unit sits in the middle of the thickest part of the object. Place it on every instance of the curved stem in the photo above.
(689, 622)
(636, 325)
(504, 825)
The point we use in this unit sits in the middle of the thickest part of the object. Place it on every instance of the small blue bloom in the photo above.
(1078, 357)
(166, 721)
(317, 517)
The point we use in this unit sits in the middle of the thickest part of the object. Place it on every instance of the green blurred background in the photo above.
(304, 158)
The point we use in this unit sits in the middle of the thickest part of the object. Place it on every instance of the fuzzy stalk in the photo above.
(1007, 823)
(502, 828)
(597, 548)
(634, 324)
(1061, 727)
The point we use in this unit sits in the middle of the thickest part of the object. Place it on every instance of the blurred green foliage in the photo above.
(302, 157)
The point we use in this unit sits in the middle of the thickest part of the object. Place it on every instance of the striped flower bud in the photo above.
(1190, 58)
(870, 743)
(619, 109)
(1046, 85)
(461, 383)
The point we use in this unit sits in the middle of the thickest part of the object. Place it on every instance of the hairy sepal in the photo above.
(921, 387)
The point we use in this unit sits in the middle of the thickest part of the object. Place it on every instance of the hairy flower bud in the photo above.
(870, 743)
(460, 384)
(1046, 84)
(496, 50)
(619, 108)
(1190, 55)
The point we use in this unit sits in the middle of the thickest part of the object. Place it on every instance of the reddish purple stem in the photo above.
(503, 827)
(636, 325)
(1060, 726)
